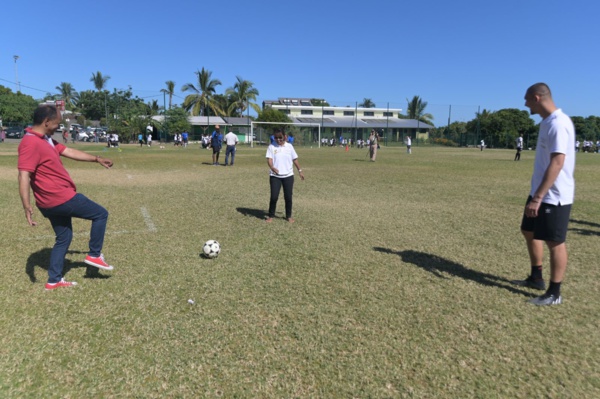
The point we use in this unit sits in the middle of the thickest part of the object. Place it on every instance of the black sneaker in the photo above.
(546, 300)
(530, 282)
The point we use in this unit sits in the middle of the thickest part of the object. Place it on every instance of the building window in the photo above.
(328, 112)
(369, 113)
(306, 111)
(285, 111)
(348, 113)
(390, 114)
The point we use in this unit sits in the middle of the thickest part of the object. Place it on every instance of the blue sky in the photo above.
(464, 54)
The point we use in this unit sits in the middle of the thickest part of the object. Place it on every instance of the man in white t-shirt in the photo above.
(548, 206)
(519, 144)
(231, 141)
(408, 144)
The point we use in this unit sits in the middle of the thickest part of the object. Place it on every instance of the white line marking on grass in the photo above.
(148, 219)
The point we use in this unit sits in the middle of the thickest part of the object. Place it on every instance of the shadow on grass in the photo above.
(438, 266)
(584, 222)
(585, 232)
(257, 213)
(41, 259)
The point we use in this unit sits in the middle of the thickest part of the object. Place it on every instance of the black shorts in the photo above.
(550, 224)
(216, 150)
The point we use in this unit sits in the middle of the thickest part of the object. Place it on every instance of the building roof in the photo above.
(198, 120)
(234, 120)
(363, 122)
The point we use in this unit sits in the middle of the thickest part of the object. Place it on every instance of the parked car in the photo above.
(83, 136)
(14, 132)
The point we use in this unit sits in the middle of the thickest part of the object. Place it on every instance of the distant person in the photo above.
(548, 207)
(482, 145)
(577, 144)
(281, 159)
(41, 170)
(149, 139)
(231, 141)
(290, 139)
(65, 136)
(273, 141)
(141, 139)
(185, 138)
(216, 142)
(408, 145)
(373, 144)
(519, 145)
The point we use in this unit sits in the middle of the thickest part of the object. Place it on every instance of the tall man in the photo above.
(216, 142)
(548, 206)
(231, 141)
(55, 193)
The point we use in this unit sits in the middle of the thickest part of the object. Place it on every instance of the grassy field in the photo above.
(393, 282)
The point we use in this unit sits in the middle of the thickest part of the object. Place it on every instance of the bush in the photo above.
(445, 142)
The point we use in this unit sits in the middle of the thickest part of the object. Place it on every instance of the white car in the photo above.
(83, 136)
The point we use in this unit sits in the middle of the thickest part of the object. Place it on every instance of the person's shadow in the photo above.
(585, 232)
(257, 213)
(41, 259)
(439, 266)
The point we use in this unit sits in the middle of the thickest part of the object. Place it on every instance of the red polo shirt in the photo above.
(50, 181)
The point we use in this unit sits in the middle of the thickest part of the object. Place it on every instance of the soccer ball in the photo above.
(211, 249)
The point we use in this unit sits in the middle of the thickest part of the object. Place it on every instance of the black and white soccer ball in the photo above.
(211, 249)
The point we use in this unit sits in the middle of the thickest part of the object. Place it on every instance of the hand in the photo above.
(275, 170)
(29, 216)
(532, 208)
(301, 175)
(107, 163)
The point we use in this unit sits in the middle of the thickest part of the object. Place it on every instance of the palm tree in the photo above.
(240, 94)
(367, 103)
(416, 110)
(201, 99)
(99, 80)
(170, 90)
(68, 94)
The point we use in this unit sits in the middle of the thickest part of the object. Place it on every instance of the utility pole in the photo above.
(17, 84)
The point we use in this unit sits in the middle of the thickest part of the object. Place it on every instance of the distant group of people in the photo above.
(588, 146)
(181, 139)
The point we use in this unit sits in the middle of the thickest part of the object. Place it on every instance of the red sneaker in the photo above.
(61, 283)
(98, 262)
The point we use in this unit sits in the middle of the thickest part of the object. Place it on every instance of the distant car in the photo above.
(75, 126)
(14, 132)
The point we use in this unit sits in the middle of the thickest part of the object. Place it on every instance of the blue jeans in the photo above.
(60, 217)
(229, 150)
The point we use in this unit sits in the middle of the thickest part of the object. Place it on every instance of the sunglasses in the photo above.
(278, 137)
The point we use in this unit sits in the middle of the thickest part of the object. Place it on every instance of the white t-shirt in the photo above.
(231, 138)
(283, 157)
(519, 142)
(557, 135)
(408, 141)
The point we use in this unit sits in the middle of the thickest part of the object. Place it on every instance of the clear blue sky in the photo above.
(460, 53)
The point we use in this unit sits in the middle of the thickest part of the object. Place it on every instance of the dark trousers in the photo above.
(288, 188)
(518, 155)
(60, 217)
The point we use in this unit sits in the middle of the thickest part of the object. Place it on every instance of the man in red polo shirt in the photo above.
(55, 193)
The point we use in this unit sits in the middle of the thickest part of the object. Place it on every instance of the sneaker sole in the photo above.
(98, 266)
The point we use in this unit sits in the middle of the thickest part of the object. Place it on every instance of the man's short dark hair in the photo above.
(43, 112)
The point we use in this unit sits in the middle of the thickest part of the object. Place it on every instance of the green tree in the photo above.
(272, 115)
(241, 94)
(176, 121)
(16, 108)
(416, 110)
(99, 80)
(367, 103)
(170, 91)
(68, 94)
(201, 101)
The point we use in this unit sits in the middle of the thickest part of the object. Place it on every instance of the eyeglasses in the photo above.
(278, 137)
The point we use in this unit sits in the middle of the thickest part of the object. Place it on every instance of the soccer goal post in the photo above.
(304, 133)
